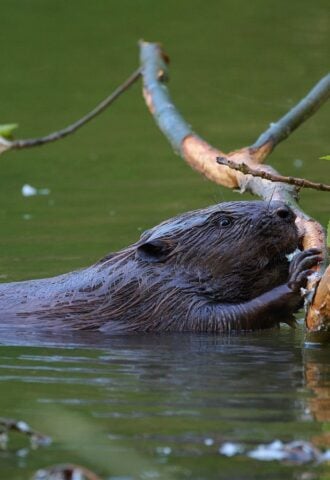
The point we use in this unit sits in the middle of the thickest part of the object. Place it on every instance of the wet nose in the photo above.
(285, 213)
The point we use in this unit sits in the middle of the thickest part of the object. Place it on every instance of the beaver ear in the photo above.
(154, 250)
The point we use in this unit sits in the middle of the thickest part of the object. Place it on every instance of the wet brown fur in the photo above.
(194, 272)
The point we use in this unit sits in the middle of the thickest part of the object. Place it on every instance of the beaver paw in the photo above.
(300, 268)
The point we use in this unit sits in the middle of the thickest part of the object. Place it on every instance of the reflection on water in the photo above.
(167, 402)
(317, 380)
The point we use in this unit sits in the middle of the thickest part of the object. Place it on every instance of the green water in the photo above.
(236, 66)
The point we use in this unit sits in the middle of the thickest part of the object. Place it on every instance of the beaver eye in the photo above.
(225, 221)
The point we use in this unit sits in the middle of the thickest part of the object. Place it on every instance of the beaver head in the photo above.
(234, 250)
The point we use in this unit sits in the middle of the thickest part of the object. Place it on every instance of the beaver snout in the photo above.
(276, 215)
(278, 225)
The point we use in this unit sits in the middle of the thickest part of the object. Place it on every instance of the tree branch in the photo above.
(280, 130)
(202, 157)
(52, 137)
(199, 154)
(298, 182)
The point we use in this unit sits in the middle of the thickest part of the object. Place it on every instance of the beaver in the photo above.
(219, 269)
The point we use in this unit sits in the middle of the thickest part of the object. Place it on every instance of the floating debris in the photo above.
(297, 452)
(230, 449)
(7, 425)
(164, 450)
(29, 191)
(208, 442)
(65, 472)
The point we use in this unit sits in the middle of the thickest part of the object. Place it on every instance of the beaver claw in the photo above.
(300, 268)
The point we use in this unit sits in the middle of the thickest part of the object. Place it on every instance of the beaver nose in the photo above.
(285, 213)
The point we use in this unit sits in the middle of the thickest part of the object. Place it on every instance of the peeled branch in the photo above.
(203, 157)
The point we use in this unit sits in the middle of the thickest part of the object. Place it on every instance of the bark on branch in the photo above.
(298, 182)
(296, 116)
(203, 157)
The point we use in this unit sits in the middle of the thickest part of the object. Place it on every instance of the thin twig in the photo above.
(298, 182)
(52, 137)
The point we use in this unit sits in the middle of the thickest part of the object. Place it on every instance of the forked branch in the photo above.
(203, 157)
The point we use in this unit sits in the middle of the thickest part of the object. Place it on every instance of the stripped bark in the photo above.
(318, 318)
(203, 157)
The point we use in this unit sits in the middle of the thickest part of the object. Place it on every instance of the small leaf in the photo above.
(326, 157)
(7, 130)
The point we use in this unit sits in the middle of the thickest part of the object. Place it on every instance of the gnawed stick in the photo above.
(52, 137)
(318, 317)
(202, 157)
